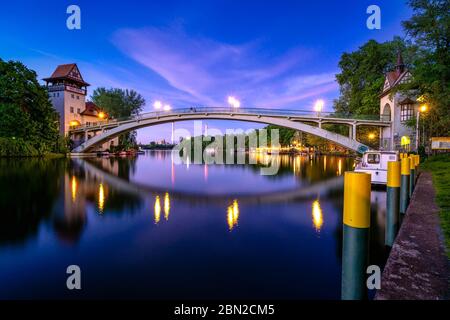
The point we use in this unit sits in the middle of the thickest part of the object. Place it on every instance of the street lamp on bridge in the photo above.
(318, 106)
(157, 105)
(233, 102)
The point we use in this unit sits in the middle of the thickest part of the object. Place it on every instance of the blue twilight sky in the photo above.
(272, 54)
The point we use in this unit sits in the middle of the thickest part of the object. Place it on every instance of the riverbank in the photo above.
(418, 267)
(439, 166)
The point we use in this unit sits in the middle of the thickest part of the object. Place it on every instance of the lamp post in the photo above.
(101, 115)
(423, 108)
(167, 108)
(318, 106)
(233, 102)
(157, 105)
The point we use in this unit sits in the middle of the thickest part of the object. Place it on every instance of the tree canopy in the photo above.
(120, 103)
(427, 55)
(429, 29)
(362, 75)
(26, 113)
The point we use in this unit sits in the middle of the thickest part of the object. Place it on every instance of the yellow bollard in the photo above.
(404, 185)
(356, 235)
(412, 176)
(357, 199)
(392, 202)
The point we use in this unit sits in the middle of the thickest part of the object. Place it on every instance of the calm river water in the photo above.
(146, 227)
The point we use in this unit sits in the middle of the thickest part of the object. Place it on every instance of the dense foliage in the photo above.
(120, 103)
(362, 75)
(427, 55)
(429, 28)
(28, 121)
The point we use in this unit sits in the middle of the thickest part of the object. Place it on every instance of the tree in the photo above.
(26, 113)
(429, 28)
(120, 103)
(362, 75)
(285, 134)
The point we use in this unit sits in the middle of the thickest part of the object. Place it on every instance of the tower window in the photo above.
(406, 112)
(78, 97)
(73, 96)
(71, 109)
(78, 110)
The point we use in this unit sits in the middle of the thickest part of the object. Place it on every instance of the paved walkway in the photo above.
(418, 268)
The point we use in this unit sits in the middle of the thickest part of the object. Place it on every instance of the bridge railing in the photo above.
(253, 111)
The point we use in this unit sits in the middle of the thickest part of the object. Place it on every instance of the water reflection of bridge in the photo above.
(137, 188)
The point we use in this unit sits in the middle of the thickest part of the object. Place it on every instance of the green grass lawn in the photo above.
(440, 168)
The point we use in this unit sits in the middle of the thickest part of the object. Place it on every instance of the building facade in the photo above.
(399, 109)
(67, 90)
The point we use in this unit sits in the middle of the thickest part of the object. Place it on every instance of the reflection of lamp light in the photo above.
(101, 198)
(230, 218)
(317, 215)
(74, 188)
(166, 206)
(233, 215)
(157, 209)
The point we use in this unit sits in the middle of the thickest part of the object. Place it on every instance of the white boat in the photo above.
(375, 163)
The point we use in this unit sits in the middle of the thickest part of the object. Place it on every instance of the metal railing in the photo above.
(314, 115)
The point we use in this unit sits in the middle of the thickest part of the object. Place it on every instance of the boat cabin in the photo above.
(376, 163)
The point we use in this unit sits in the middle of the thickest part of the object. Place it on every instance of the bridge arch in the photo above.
(109, 132)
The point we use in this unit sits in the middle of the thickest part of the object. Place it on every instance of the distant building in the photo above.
(398, 108)
(68, 90)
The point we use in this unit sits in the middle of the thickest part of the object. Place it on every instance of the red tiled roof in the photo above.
(392, 76)
(63, 71)
(91, 109)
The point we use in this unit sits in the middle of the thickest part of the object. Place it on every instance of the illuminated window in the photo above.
(373, 158)
(406, 112)
(405, 141)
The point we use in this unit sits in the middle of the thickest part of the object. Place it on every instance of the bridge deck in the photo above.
(294, 115)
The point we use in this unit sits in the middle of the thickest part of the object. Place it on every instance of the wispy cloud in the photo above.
(205, 71)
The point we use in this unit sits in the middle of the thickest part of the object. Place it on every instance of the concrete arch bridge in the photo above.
(94, 134)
